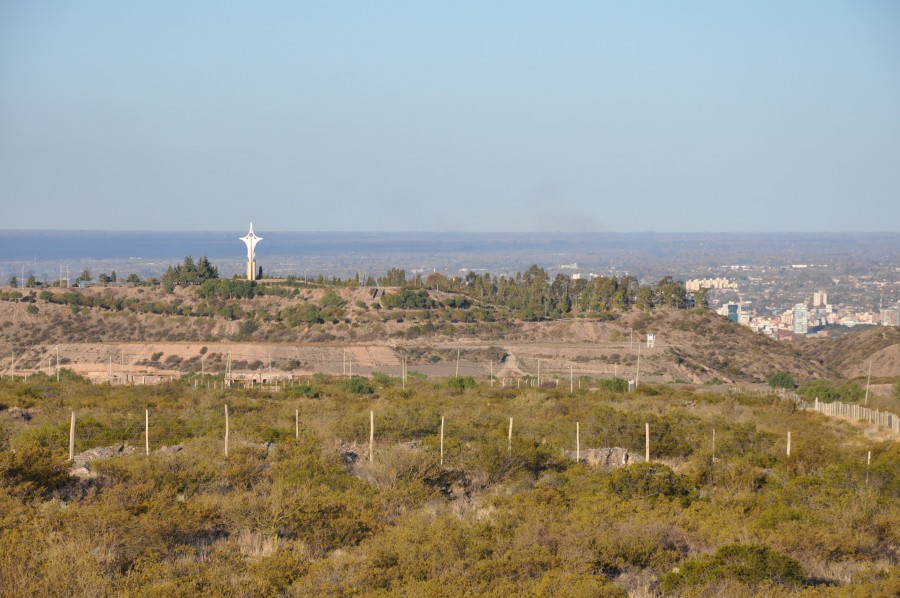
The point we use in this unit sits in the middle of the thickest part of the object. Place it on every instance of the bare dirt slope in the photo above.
(849, 356)
(690, 347)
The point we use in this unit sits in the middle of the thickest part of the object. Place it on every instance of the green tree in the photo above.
(13, 281)
(86, 275)
(701, 298)
(644, 299)
(189, 272)
(670, 293)
(394, 278)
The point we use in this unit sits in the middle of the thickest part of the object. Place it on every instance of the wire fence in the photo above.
(847, 411)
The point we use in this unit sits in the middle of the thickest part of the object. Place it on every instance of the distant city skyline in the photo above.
(471, 117)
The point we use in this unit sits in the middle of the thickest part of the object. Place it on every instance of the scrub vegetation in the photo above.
(308, 514)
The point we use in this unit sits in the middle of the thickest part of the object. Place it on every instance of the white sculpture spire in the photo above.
(251, 240)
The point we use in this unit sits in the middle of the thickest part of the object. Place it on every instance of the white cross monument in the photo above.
(251, 240)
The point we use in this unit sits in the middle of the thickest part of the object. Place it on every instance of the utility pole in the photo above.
(457, 363)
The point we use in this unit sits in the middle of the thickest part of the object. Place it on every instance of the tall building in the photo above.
(890, 317)
(732, 311)
(696, 284)
(820, 298)
(801, 319)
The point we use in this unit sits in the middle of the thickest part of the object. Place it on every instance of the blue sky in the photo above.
(450, 116)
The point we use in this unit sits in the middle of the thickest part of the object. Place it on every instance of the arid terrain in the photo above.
(135, 344)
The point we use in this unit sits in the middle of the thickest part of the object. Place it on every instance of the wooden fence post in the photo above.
(868, 463)
(371, 436)
(297, 424)
(72, 438)
(647, 442)
(789, 444)
(578, 442)
(226, 430)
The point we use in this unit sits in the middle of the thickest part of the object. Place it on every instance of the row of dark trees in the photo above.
(535, 296)
(189, 273)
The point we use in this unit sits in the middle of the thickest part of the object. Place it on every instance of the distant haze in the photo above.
(343, 254)
(456, 116)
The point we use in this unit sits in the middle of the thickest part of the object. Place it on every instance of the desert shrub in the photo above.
(358, 385)
(248, 327)
(753, 565)
(303, 390)
(32, 469)
(828, 391)
(226, 289)
(460, 383)
(495, 461)
(304, 314)
(613, 384)
(637, 544)
(382, 378)
(408, 299)
(649, 480)
(405, 420)
(781, 380)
